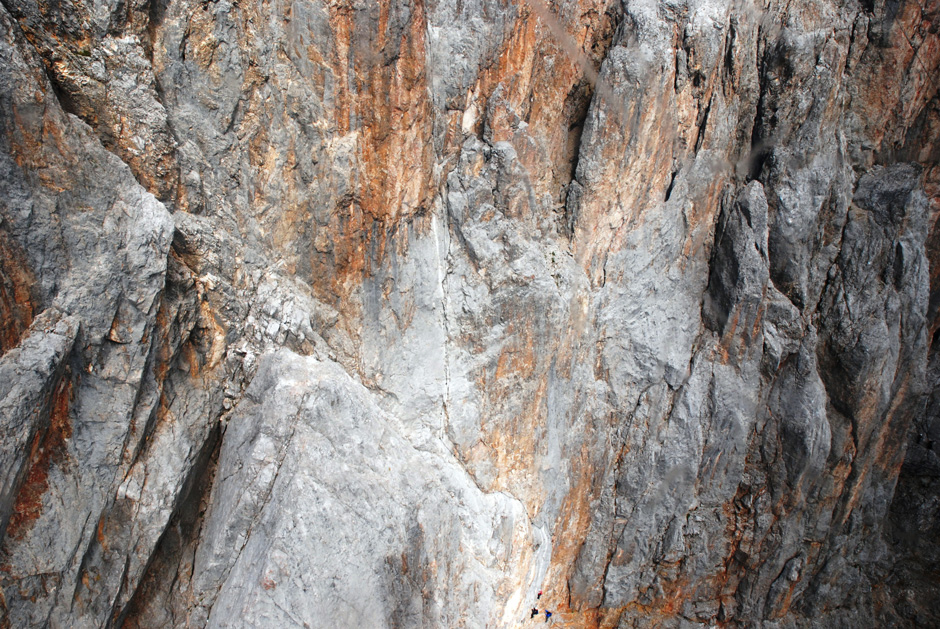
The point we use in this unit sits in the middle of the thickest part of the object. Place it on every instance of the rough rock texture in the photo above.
(374, 543)
(395, 313)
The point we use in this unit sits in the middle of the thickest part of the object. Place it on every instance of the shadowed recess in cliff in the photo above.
(16, 299)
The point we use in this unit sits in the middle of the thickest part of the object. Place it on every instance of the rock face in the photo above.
(372, 543)
(395, 313)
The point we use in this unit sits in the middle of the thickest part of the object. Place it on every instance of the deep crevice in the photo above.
(160, 577)
(66, 102)
(702, 126)
(672, 183)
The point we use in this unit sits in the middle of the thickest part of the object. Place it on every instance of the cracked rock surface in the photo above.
(395, 313)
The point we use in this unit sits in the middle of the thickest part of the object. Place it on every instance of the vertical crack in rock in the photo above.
(443, 270)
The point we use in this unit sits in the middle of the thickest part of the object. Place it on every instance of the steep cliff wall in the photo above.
(394, 313)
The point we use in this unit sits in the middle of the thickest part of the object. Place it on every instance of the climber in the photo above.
(548, 615)
(535, 612)
(539, 595)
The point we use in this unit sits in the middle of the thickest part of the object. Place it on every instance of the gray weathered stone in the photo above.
(630, 302)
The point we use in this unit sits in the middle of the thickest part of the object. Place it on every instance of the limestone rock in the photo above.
(374, 543)
(395, 313)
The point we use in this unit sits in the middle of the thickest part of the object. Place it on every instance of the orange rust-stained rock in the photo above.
(321, 147)
(382, 106)
(570, 531)
(74, 57)
(16, 301)
(900, 66)
(395, 140)
(543, 79)
(49, 449)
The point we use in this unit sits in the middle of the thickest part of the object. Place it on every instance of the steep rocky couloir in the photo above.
(398, 312)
